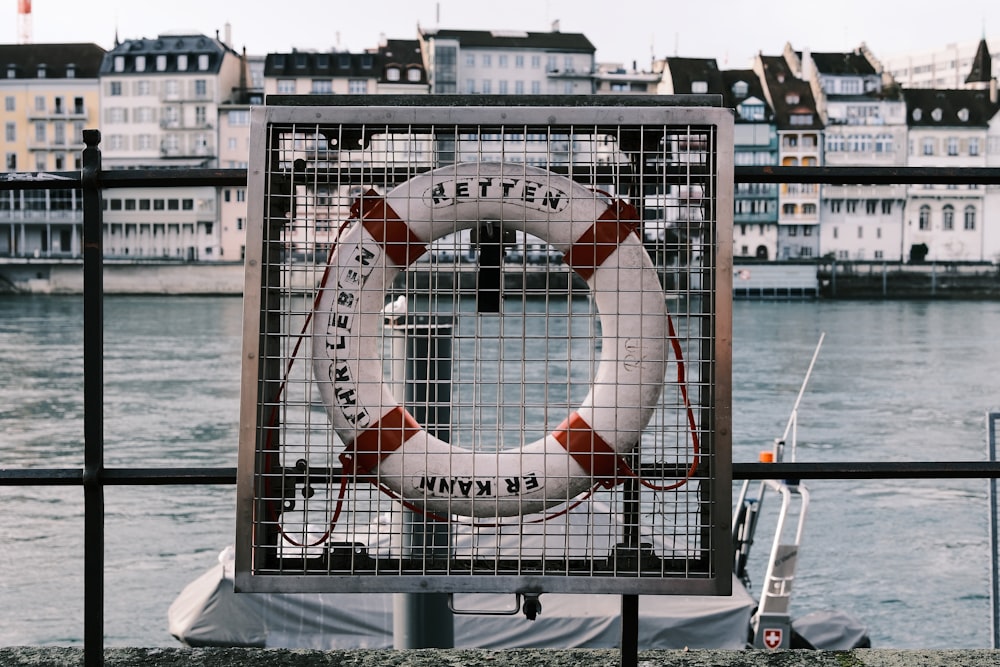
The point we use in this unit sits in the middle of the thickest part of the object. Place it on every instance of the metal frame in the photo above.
(258, 568)
(93, 180)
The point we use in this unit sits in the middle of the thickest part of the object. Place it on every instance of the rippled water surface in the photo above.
(897, 381)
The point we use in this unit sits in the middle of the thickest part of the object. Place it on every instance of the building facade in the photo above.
(508, 62)
(160, 102)
(864, 126)
(50, 95)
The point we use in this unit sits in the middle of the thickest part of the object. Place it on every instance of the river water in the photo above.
(894, 381)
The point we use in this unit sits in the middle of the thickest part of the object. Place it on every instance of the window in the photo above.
(470, 59)
(519, 62)
(9, 103)
(414, 74)
(182, 62)
(852, 205)
(40, 132)
(161, 63)
(203, 61)
(974, 146)
(953, 146)
(886, 206)
(502, 60)
(536, 88)
(970, 218)
(200, 88)
(357, 86)
(928, 146)
(325, 86)
(391, 74)
(925, 218)
(871, 206)
(171, 88)
(39, 103)
(201, 115)
(519, 87)
(699, 87)
(10, 132)
(948, 217)
(11, 161)
(487, 87)
(835, 206)
(487, 60)
(119, 63)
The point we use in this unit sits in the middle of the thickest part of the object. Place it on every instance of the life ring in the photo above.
(385, 444)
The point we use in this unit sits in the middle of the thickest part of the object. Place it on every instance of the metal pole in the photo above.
(424, 620)
(93, 401)
(991, 445)
(629, 642)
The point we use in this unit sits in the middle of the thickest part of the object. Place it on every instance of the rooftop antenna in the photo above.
(24, 21)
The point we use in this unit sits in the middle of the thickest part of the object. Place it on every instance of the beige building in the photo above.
(50, 95)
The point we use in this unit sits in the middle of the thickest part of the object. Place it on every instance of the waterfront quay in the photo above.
(249, 657)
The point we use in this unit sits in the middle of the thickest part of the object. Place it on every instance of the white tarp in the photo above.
(209, 613)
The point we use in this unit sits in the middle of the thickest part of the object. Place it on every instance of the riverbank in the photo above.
(751, 280)
(228, 657)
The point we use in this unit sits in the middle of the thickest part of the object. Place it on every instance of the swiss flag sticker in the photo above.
(772, 637)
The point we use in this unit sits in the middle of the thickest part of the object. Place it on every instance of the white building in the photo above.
(947, 128)
(946, 67)
(160, 109)
(864, 126)
(508, 62)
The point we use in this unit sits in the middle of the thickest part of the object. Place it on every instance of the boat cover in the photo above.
(208, 613)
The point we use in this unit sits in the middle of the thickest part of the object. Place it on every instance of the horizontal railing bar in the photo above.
(868, 175)
(130, 178)
(838, 470)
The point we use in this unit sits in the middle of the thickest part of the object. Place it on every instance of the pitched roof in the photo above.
(25, 59)
(731, 77)
(512, 39)
(929, 107)
(843, 64)
(323, 64)
(789, 96)
(982, 65)
(685, 71)
(167, 44)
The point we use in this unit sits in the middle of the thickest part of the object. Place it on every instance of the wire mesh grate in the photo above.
(487, 351)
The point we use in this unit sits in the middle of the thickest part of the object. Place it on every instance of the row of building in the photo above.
(183, 101)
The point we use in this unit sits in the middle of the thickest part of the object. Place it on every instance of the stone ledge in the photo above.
(230, 657)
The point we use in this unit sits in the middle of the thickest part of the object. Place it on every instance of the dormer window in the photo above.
(740, 89)
(413, 74)
(70, 71)
(936, 114)
(392, 73)
(699, 87)
(917, 114)
(792, 98)
(42, 70)
(182, 62)
(963, 115)
(140, 63)
(203, 62)
(11, 71)
(119, 63)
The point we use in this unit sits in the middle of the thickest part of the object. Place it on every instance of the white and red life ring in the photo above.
(385, 444)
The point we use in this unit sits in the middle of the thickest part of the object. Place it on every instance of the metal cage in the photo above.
(487, 346)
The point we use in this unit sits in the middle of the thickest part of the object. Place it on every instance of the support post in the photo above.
(93, 401)
(424, 620)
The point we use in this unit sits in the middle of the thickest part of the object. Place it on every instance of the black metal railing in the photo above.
(92, 180)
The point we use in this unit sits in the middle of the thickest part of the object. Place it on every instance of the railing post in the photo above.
(93, 402)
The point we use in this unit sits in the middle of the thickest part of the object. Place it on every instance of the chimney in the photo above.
(807, 62)
(555, 26)
(993, 90)
(228, 28)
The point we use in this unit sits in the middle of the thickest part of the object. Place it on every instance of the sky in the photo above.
(622, 31)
